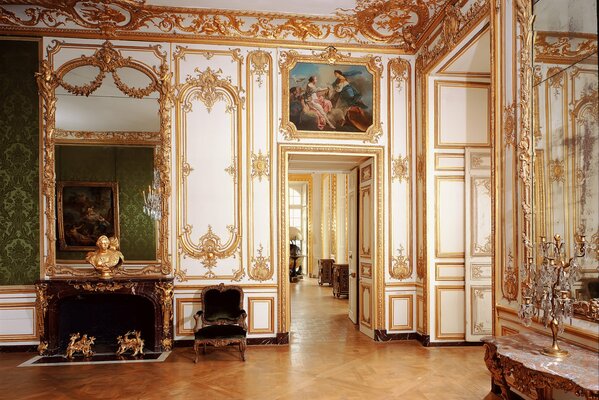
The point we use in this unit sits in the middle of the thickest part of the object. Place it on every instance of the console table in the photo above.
(516, 361)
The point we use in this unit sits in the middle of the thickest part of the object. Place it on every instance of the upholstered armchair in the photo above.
(222, 321)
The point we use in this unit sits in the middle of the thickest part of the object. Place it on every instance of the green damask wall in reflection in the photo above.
(132, 169)
(19, 150)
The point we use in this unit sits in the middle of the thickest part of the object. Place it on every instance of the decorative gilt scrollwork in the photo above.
(557, 47)
(399, 169)
(510, 279)
(288, 59)
(399, 23)
(41, 305)
(103, 286)
(260, 165)
(261, 269)
(260, 61)
(421, 265)
(399, 71)
(165, 291)
(456, 25)
(108, 59)
(401, 267)
(209, 88)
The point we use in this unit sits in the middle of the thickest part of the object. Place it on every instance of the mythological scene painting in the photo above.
(334, 98)
(86, 211)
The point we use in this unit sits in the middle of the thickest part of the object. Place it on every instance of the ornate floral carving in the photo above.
(399, 23)
(261, 269)
(509, 125)
(421, 265)
(510, 279)
(41, 304)
(399, 169)
(166, 292)
(456, 25)
(557, 170)
(103, 286)
(208, 83)
(563, 47)
(401, 267)
(260, 61)
(399, 71)
(260, 165)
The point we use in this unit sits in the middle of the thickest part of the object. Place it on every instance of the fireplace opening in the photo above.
(106, 316)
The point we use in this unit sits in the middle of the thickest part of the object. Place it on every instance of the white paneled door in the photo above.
(479, 244)
(366, 258)
(352, 245)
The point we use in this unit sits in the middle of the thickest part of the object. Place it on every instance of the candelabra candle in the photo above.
(153, 199)
(546, 289)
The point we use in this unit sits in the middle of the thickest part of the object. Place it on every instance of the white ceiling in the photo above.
(308, 7)
(323, 163)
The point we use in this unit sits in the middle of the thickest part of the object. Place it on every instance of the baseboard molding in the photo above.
(454, 344)
(19, 348)
(381, 335)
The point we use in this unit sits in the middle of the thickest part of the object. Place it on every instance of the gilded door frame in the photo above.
(378, 155)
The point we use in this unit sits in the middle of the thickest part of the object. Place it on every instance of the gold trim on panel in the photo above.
(410, 308)
(179, 304)
(209, 88)
(480, 249)
(259, 68)
(108, 59)
(21, 306)
(459, 53)
(438, 157)
(17, 289)
(365, 252)
(419, 309)
(438, 333)
(438, 253)
(363, 320)
(559, 50)
(365, 270)
(440, 265)
(288, 60)
(333, 217)
(401, 266)
(309, 181)
(437, 112)
(271, 315)
(377, 153)
(477, 292)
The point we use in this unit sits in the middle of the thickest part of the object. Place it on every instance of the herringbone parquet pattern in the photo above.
(327, 359)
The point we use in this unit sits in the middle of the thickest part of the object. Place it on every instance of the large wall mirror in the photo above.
(107, 146)
(566, 137)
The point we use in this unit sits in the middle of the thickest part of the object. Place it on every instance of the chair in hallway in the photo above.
(325, 271)
(222, 320)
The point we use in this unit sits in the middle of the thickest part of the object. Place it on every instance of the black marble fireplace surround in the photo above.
(104, 309)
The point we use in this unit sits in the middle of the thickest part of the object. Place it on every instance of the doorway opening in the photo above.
(329, 209)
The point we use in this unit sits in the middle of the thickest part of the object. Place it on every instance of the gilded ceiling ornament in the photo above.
(399, 23)
(399, 168)
(260, 61)
(400, 268)
(260, 270)
(451, 24)
(557, 170)
(260, 165)
(399, 71)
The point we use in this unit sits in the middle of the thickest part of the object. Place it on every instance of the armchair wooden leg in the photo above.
(242, 347)
(196, 349)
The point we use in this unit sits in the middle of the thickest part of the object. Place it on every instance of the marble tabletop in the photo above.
(581, 366)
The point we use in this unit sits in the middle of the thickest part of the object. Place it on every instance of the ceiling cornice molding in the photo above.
(394, 25)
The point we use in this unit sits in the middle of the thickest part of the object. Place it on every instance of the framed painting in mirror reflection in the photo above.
(86, 211)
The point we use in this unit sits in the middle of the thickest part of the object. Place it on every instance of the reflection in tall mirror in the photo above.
(107, 150)
(566, 137)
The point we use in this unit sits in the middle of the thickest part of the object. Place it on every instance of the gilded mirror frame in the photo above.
(531, 198)
(107, 58)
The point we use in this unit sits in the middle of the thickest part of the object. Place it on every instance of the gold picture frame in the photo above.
(328, 58)
(86, 211)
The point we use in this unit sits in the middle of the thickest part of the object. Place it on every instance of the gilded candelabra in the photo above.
(546, 293)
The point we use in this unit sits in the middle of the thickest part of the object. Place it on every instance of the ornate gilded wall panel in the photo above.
(259, 120)
(399, 115)
(209, 171)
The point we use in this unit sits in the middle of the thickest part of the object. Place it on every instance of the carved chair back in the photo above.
(222, 305)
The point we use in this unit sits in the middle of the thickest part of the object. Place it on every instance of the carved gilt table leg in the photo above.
(494, 365)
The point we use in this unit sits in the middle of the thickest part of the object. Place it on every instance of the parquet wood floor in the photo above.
(327, 359)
